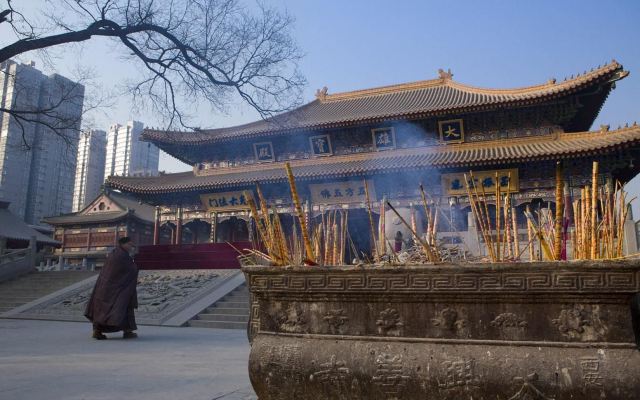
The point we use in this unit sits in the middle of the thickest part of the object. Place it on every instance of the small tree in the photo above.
(188, 49)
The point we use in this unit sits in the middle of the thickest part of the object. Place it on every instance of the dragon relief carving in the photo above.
(389, 322)
(581, 322)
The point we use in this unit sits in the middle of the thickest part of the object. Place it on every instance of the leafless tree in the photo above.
(206, 50)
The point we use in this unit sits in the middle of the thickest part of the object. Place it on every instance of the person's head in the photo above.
(126, 243)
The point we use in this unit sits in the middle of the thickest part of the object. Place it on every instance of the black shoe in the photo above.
(129, 335)
(97, 335)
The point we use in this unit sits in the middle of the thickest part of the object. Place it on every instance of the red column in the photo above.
(156, 227)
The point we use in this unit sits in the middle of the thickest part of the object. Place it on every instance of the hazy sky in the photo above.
(359, 44)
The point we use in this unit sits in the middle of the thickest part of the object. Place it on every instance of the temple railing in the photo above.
(14, 263)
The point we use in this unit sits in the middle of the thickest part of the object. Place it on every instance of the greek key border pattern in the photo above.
(544, 281)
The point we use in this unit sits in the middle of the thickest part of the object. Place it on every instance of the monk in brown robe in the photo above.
(114, 296)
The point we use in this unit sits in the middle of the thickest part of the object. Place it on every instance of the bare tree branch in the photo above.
(206, 50)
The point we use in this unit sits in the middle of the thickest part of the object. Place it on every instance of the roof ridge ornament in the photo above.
(321, 94)
(604, 128)
(446, 75)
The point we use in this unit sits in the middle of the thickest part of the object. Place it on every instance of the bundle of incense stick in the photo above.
(500, 236)
(330, 237)
(269, 231)
(301, 216)
(609, 216)
(382, 226)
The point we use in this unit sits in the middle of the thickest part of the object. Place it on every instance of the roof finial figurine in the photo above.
(442, 74)
(551, 81)
(604, 128)
(321, 94)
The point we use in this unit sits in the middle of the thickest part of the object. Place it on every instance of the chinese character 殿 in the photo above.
(264, 152)
(320, 145)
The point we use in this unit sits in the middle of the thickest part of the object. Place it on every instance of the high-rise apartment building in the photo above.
(38, 151)
(127, 155)
(90, 167)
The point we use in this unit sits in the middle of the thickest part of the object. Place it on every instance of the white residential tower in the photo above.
(90, 167)
(127, 155)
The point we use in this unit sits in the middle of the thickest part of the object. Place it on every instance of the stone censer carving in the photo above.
(505, 332)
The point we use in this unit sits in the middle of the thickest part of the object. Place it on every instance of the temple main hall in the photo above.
(394, 138)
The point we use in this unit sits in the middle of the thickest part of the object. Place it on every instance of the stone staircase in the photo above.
(230, 312)
(35, 285)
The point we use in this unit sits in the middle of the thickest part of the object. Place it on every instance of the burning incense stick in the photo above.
(382, 226)
(296, 202)
(594, 211)
(557, 241)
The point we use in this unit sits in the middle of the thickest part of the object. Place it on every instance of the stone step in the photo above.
(37, 286)
(32, 288)
(228, 311)
(22, 299)
(236, 297)
(224, 317)
(231, 304)
(218, 324)
(25, 293)
(10, 305)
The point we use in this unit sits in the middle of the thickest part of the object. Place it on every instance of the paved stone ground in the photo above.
(58, 360)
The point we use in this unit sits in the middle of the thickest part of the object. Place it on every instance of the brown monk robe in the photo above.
(114, 296)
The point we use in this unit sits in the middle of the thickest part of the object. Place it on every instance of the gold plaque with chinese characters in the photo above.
(224, 201)
(453, 184)
(341, 192)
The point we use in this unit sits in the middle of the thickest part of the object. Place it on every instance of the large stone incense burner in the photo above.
(500, 332)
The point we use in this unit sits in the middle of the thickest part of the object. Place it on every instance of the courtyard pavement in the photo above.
(58, 360)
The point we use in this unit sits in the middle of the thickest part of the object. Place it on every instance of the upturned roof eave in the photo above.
(611, 73)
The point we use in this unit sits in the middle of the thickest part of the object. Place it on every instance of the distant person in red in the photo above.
(114, 296)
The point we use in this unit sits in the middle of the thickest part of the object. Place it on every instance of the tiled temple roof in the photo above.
(561, 146)
(410, 100)
(129, 207)
(76, 218)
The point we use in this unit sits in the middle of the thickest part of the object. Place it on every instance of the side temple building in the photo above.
(394, 137)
